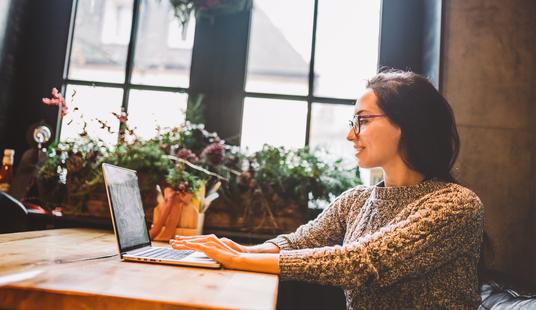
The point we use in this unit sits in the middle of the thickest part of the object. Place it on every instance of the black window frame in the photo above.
(219, 60)
(127, 85)
(310, 98)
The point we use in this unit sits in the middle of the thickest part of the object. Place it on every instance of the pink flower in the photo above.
(214, 153)
(57, 100)
(183, 186)
(187, 155)
(123, 117)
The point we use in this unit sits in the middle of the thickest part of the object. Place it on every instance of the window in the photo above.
(258, 126)
(4, 15)
(116, 22)
(306, 66)
(126, 53)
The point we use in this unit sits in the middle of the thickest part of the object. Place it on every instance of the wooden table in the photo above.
(78, 268)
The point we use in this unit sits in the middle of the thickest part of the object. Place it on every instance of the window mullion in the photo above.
(67, 62)
(310, 94)
(130, 53)
(70, 42)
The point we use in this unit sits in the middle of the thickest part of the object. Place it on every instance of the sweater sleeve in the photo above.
(328, 228)
(441, 229)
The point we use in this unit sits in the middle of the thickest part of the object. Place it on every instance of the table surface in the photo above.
(79, 268)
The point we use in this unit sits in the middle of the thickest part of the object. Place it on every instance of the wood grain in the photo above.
(78, 268)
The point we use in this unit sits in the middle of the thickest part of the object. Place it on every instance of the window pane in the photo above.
(149, 109)
(272, 121)
(329, 127)
(347, 41)
(94, 104)
(280, 46)
(100, 41)
(162, 56)
(4, 15)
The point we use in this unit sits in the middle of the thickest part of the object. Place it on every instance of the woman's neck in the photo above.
(399, 174)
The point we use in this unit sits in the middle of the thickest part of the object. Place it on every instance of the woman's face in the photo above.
(376, 145)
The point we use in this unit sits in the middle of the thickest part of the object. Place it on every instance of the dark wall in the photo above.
(9, 33)
(4, 13)
(410, 36)
(218, 71)
(489, 77)
(32, 63)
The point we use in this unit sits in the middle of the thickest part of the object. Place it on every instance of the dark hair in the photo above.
(429, 142)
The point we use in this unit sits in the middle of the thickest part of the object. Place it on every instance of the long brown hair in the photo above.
(429, 141)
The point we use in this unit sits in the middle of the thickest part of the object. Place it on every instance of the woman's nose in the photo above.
(351, 136)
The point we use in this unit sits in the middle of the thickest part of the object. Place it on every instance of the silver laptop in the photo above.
(129, 224)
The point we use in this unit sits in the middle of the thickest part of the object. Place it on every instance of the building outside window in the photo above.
(306, 65)
(305, 69)
(151, 83)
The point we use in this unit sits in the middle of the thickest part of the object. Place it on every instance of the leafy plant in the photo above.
(298, 175)
(183, 181)
(273, 182)
(183, 9)
(70, 167)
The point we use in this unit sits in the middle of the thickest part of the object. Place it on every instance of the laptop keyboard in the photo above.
(162, 253)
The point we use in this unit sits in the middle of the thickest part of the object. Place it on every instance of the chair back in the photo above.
(13, 214)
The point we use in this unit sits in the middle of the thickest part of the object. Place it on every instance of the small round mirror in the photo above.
(41, 134)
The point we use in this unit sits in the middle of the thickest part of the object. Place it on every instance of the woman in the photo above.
(411, 241)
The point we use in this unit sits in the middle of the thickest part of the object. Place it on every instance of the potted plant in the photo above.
(275, 190)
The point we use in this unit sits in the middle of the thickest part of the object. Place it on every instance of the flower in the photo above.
(209, 9)
(214, 153)
(57, 99)
(187, 154)
(123, 117)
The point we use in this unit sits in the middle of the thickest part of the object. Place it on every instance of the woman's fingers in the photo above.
(185, 245)
(226, 243)
(237, 247)
(179, 237)
(212, 249)
(196, 238)
(208, 242)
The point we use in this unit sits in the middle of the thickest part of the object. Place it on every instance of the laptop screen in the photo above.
(125, 202)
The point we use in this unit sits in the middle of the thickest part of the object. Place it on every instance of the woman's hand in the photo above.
(225, 251)
(229, 253)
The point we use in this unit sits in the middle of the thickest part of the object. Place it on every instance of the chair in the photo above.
(498, 297)
(13, 215)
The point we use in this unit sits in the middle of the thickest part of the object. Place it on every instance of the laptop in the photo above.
(129, 225)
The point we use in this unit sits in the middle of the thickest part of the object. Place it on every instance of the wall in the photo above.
(4, 10)
(31, 64)
(489, 77)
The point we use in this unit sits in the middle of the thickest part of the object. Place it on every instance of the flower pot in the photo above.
(176, 215)
(192, 230)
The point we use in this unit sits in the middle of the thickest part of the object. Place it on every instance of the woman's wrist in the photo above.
(267, 247)
(265, 262)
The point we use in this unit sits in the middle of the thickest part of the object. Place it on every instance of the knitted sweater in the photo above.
(412, 247)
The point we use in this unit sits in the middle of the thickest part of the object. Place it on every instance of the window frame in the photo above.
(127, 85)
(310, 98)
(225, 97)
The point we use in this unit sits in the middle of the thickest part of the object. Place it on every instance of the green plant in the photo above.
(277, 187)
(71, 166)
(183, 181)
(273, 182)
(183, 9)
(299, 175)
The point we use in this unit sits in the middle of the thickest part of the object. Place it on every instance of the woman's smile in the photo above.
(358, 149)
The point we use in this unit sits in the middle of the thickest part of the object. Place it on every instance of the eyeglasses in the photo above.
(362, 120)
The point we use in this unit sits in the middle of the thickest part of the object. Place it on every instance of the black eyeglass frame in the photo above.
(357, 129)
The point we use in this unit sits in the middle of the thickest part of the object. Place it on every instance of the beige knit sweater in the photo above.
(413, 247)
